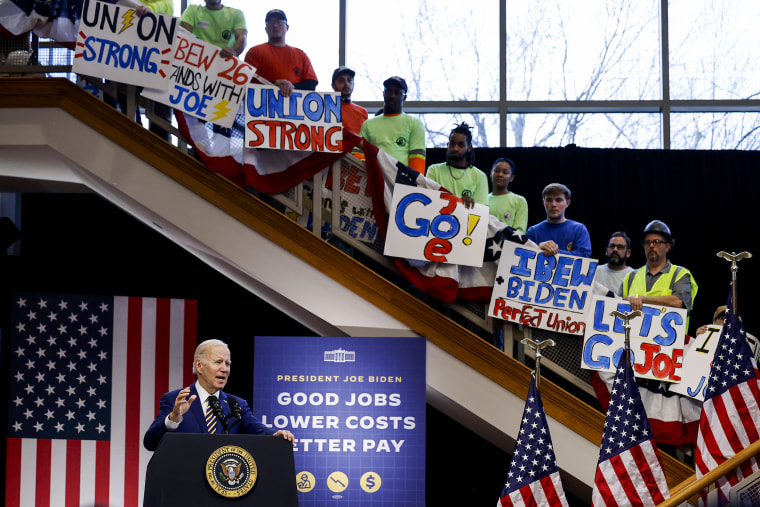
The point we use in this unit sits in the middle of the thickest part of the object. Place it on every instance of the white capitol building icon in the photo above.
(340, 356)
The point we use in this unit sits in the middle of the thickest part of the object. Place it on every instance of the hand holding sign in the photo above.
(697, 361)
(656, 339)
(432, 225)
(302, 121)
(543, 291)
(203, 82)
(114, 42)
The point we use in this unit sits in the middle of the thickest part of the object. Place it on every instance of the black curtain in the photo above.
(705, 197)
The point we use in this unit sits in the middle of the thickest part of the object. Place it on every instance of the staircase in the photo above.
(53, 131)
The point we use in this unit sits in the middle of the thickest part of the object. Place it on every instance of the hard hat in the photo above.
(659, 227)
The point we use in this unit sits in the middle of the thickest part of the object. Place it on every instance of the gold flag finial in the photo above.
(733, 258)
(626, 318)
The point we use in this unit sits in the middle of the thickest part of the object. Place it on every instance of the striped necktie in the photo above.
(211, 419)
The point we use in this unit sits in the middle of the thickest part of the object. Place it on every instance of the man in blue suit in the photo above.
(177, 412)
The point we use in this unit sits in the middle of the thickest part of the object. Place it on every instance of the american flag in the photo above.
(730, 414)
(87, 373)
(629, 470)
(533, 477)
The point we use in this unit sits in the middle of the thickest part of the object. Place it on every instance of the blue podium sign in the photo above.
(357, 409)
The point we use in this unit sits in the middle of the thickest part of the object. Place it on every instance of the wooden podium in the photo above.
(221, 470)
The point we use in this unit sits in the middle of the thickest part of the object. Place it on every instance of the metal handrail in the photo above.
(692, 486)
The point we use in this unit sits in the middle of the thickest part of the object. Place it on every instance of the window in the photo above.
(589, 73)
(589, 130)
(715, 131)
(590, 50)
(485, 128)
(713, 51)
(446, 50)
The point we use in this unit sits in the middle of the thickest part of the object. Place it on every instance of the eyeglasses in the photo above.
(617, 247)
(276, 22)
(654, 242)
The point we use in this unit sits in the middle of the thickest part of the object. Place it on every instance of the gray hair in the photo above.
(203, 347)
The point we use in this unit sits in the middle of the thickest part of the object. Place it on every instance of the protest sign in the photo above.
(305, 121)
(202, 82)
(545, 292)
(113, 43)
(697, 360)
(657, 339)
(431, 225)
(355, 210)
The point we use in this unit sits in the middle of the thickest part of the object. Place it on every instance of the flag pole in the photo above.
(534, 478)
(537, 346)
(733, 258)
(626, 318)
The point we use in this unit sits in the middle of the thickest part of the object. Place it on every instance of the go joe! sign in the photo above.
(432, 225)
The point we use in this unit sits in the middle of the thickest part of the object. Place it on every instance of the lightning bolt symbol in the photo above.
(221, 110)
(127, 17)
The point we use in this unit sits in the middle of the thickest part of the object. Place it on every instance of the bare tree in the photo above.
(570, 53)
(714, 60)
(436, 59)
(605, 74)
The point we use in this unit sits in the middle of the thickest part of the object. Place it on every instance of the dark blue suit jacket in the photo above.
(194, 421)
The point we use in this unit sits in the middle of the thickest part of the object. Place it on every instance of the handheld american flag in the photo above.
(533, 477)
(730, 413)
(629, 470)
(86, 376)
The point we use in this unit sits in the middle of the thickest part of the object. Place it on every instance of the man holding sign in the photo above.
(618, 252)
(458, 174)
(352, 115)
(558, 234)
(718, 318)
(659, 282)
(287, 67)
(674, 418)
(222, 26)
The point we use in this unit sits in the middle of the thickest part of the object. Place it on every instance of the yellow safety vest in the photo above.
(662, 287)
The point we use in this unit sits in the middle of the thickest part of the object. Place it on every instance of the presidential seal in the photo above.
(231, 471)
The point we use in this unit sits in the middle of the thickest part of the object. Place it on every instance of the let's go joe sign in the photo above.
(657, 339)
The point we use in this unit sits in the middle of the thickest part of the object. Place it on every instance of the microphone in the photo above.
(237, 412)
(216, 408)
